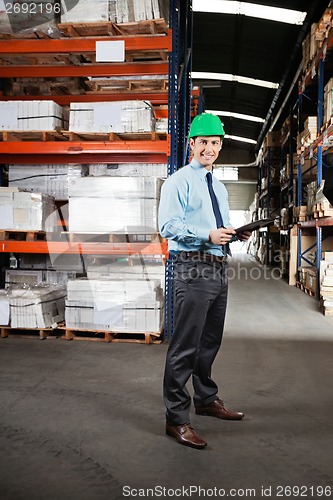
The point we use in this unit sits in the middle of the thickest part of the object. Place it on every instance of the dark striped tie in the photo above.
(216, 209)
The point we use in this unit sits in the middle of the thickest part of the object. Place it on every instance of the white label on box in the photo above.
(110, 51)
(112, 316)
(108, 115)
(6, 217)
(9, 116)
(4, 312)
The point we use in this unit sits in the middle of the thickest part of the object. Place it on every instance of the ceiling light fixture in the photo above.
(250, 9)
(202, 75)
(240, 139)
(240, 116)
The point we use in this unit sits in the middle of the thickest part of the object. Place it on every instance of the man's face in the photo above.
(206, 149)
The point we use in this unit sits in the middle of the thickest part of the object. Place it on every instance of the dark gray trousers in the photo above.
(201, 290)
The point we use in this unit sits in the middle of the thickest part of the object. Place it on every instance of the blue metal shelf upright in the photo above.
(318, 146)
(179, 113)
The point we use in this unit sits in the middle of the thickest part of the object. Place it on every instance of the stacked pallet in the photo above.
(308, 135)
(326, 283)
(324, 26)
(328, 101)
(299, 213)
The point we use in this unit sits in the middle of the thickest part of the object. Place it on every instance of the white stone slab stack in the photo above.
(31, 115)
(36, 307)
(118, 117)
(46, 179)
(132, 306)
(118, 11)
(129, 170)
(114, 204)
(24, 211)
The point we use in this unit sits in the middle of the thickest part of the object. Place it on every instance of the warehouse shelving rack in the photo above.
(176, 46)
(320, 147)
(181, 23)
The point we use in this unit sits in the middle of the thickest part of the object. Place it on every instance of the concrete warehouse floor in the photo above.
(81, 420)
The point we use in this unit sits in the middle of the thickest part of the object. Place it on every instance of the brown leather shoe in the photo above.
(185, 435)
(217, 409)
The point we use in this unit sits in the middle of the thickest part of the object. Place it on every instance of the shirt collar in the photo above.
(199, 169)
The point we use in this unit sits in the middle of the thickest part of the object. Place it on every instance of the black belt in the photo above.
(203, 256)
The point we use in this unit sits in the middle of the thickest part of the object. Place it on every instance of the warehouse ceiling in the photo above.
(254, 48)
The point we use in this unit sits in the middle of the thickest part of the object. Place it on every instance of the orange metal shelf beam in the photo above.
(74, 148)
(53, 71)
(155, 98)
(64, 159)
(84, 45)
(62, 247)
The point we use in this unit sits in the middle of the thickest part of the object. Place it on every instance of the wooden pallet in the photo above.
(322, 210)
(305, 289)
(75, 237)
(111, 336)
(112, 136)
(18, 235)
(44, 86)
(31, 135)
(41, 333)
(115, 85)
(108, 28)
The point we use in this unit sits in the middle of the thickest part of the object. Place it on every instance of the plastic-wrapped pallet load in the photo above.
(32, 115)
(122, 270)
(4, 308)
(118, 117)
(37, 276)
(118, 11)
(132, 306)
(46, 179)
(36, 307)
(129, 170)
(114, 204)
(21, 210)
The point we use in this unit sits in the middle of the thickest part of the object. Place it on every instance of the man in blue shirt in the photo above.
(194, 216)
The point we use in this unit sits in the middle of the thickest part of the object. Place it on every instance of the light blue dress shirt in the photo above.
(185, 212)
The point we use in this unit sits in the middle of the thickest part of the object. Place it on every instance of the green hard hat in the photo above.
(206, 124)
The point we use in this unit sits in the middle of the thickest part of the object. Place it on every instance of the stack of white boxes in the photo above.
(129, 170)
(326, 283)
(47, 179)
(114, 204)
(129, 269)
(37, 276)
(32, 116)
(133, 306)
(36, 307)
(118, 11)
(20, 210)
(118, 117)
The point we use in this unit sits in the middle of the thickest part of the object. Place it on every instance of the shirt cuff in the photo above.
(202, 234)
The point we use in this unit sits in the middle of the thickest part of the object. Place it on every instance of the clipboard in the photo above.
(257, 224)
